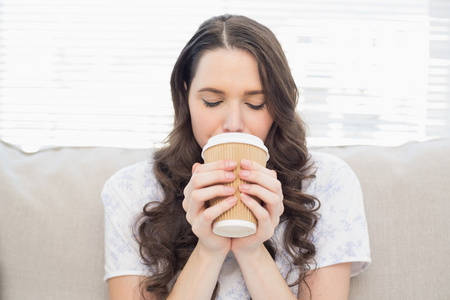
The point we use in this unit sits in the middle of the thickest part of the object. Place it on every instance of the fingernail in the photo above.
(245, 187)
(244, 197)
(229, 175)
(246, 163)
(232, 200)
(229, 189)
(245, 173)
(230, 163)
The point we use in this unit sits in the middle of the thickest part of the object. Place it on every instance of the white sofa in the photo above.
(51, 220)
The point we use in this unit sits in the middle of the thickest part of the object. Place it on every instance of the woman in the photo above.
(232, 76)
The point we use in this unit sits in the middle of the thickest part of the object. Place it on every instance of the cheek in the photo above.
(201, 122)
(199, 118)
(261, 126)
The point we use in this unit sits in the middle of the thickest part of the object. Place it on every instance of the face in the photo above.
(226, 95)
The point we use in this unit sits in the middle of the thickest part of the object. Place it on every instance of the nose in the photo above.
(234, 121)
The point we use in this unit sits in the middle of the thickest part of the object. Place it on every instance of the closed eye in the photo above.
(211, 104)
(256, 107)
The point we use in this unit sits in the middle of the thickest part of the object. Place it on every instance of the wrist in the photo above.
(209, 255)
(254, 254)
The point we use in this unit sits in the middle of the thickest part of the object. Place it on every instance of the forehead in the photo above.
(227, 66)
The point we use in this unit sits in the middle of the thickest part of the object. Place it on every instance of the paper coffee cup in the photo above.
(238, 221)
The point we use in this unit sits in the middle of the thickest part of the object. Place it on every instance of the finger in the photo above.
(224, 164)
(252, 165)
(195, 166)
(206, 175)
(201, 180)
(273, 202)
(267, 196)
(185, 204)
(266, 222)
(268, 181)
(202, 195)
(197, 179)
(213, 212)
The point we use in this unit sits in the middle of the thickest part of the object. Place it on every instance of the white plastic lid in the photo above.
(234, 228)
(236, 137)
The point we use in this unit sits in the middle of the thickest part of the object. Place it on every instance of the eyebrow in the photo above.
(216, 91)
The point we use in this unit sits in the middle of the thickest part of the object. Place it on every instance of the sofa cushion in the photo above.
(407, 201)
(51, 218)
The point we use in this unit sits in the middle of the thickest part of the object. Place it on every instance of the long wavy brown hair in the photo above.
(165, 237)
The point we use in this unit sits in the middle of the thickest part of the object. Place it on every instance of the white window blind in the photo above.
(96, 72)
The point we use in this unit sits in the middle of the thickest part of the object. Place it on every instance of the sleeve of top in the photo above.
(124, 196)
(341, 233)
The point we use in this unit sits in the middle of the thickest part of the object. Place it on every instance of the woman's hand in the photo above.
(207, 183)
(265, 186)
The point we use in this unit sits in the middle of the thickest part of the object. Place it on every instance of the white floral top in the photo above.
(340, 235)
